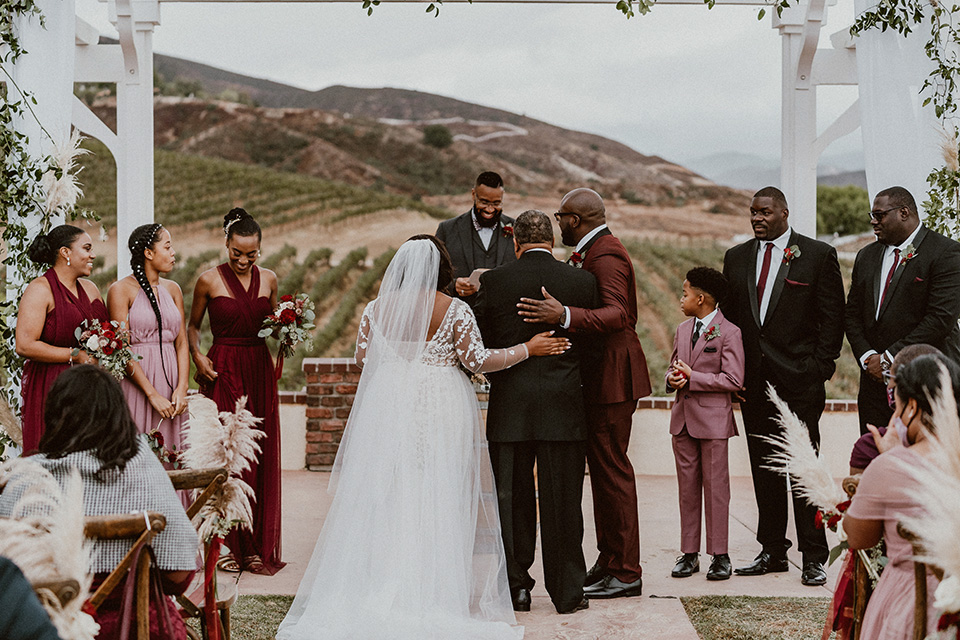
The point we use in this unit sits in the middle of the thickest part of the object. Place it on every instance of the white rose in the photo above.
(93, 343)
(841, 534)
(286, 305)
(947, 596)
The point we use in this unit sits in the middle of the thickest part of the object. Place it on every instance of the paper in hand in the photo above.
(475, 277)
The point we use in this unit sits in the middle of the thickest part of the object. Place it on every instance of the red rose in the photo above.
(107, 350)
(508, 231)
(818, 520)
(108, 334)
(843, 506)
(833, 521)
(286, 298)
(157, 437)
(288, 316)
(948, 620)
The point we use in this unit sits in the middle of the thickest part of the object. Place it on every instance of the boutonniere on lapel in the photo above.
(508, 231)
(712, 332)
(576, 259)
(790, 254)
(908, 253)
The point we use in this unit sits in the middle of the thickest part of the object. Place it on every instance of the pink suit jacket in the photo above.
(704, 404)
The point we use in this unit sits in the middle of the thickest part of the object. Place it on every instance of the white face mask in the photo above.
(901, 431)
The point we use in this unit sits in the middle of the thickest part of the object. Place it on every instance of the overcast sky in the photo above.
(681, 82)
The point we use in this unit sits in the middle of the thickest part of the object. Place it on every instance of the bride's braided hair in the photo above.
(145, 237)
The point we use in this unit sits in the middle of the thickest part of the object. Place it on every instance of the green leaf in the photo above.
(761, 13)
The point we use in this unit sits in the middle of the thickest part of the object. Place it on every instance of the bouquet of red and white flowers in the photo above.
(109, 343)
(291, 323)
(157, 445)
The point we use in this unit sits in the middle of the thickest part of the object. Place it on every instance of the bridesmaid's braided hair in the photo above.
(145, 237)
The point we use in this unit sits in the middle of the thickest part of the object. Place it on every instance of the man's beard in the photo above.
(484, 222)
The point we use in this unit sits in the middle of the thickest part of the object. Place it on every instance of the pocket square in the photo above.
(918, 279)
(794, 283)
(710, 350)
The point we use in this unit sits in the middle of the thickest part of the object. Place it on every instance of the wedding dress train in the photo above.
(411, 546)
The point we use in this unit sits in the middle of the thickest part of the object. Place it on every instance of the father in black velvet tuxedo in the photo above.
(786, 295)
(905, 290)
(479, 238)
(536, 415)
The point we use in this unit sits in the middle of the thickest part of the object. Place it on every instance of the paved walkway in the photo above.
(658, 614)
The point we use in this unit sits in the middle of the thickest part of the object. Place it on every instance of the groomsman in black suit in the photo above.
(786, 295)
(905, 290)
(536, 416)
(480, 238)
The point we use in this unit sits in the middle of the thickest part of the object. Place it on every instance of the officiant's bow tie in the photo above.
(575, 259)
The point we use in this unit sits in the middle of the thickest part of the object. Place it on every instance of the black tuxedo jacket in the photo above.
(922, 303)
(541, 398)
(797, 345)
(458, 234)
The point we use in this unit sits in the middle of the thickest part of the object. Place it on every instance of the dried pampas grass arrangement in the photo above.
(10, 423)
(45, 538)
(937, 493)
(799, 460)
(63, 192)
(227, 440)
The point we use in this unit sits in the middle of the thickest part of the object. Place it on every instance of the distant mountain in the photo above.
(749, 171)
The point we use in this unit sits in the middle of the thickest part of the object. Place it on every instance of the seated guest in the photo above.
(21, 615)
(88, 427)
(885, 497)
(876, 440)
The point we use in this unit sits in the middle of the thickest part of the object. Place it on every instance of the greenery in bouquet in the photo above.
(108, 343)
(158, 446)
(290, 323)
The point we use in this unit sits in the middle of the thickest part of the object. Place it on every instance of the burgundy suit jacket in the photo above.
(704, 404)
(618, 373)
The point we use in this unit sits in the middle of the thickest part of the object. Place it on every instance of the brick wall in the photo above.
(331, 386)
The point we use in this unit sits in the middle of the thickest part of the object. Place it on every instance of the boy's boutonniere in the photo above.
(712, 332)
(908, 253)
(790, 253)
(508, 231)
(576, 259)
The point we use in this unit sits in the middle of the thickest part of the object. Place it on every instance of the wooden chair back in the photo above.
(861, 579)
(920, 570)
(142, 528)
(221, 596)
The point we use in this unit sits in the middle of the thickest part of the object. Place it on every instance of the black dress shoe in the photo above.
(764, 564)
(813, 574)
(720, 567)
(687, 565)
(610, 587)
(521, 600)
(594, 575)
(580, 606)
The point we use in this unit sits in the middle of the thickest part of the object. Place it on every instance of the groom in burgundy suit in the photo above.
(613, 380)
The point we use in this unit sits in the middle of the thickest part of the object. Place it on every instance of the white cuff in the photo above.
(863, 358)
(566, 318)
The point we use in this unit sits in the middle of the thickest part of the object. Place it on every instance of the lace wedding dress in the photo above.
(411, 546)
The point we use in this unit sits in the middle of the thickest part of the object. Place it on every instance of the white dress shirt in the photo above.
(580, 245)
(705, 321)
(485, 233)
(776, 261)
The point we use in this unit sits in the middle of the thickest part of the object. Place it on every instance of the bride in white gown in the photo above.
(411, 546)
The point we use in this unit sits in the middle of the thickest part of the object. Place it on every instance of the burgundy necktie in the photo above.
(893, 267)
(764, 272)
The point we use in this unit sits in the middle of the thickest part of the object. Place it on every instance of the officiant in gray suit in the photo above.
(481, 238)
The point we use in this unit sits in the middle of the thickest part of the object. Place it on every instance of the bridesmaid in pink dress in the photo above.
(885, 496)
(152, 308)
(51, 309)
(239, 295)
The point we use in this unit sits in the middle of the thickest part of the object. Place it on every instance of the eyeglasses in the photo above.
(559, 214)
(486, 204)
(877, 216)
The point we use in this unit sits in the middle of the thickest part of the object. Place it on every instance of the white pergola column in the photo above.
(135, 21)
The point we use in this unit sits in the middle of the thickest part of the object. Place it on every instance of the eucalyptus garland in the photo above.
(21, 198)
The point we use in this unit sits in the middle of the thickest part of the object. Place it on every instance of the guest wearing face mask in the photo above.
(880, 439)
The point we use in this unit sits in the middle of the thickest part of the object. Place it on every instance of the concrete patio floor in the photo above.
(657, 614)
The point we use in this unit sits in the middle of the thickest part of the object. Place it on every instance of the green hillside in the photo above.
(194, 189)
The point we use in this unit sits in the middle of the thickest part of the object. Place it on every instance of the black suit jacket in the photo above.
(797, 345)
(922, 303)
(541, 398)
(458, 233)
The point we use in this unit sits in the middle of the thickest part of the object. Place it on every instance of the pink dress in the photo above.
(884, 494)
(59, 330)
(144, 341)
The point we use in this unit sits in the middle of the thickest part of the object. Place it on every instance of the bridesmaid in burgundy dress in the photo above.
(51, 309)
(239, 295)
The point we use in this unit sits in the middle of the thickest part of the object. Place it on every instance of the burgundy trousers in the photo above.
(614, 487)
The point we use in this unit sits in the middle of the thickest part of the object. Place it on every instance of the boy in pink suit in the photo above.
(706, 367)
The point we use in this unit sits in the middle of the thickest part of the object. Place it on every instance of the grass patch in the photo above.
(255, 617)
(756, 618)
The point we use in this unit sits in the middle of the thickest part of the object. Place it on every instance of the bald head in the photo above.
(587, 204)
